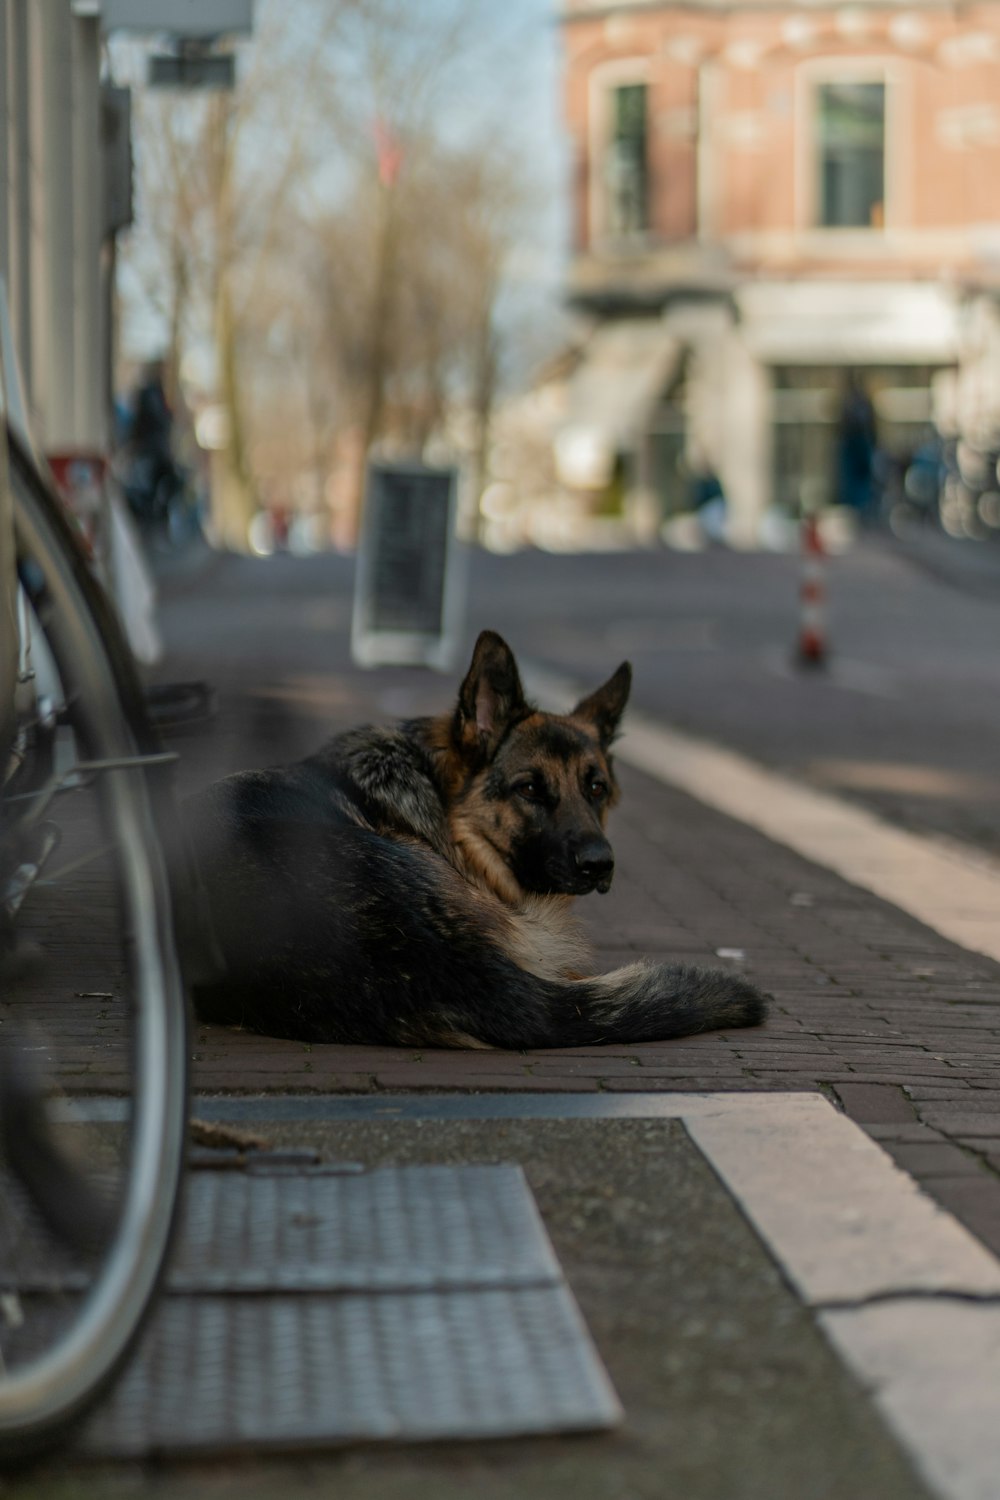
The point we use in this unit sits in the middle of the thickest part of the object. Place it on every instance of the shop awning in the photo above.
(850, 322)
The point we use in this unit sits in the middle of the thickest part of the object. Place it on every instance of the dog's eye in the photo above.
(597, 787)
(532, 788)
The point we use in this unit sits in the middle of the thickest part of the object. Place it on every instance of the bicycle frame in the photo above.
(29, 680)
(9, 633)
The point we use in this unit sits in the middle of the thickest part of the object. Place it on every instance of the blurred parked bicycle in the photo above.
(89, 1183)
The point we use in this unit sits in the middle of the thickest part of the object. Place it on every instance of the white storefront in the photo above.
(761, 373)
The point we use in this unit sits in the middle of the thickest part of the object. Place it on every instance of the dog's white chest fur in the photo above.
(547, 939)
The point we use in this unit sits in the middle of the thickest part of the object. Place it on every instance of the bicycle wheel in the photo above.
(90, 1194)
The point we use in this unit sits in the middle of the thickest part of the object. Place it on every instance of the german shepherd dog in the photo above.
(413, 885)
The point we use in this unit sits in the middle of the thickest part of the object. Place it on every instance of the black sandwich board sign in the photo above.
(407, 592)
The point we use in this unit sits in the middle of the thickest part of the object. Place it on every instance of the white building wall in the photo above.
(968, 404)
(746, 441)
(728, 413)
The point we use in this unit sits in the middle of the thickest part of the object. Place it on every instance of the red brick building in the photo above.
(767, 196)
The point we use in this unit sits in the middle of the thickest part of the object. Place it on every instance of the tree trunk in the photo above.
(371, 421)
(233, 499)
(484, 392)
(235, 503)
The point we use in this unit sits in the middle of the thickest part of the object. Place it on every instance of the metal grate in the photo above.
(398, 1229)
(314, 1309)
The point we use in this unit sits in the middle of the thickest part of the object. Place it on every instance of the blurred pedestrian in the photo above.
(708, 498)
(155, 476)
(856, 449)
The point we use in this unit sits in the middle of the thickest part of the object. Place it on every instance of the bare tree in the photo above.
(336, 246)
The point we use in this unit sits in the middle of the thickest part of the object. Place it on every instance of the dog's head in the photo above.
(531, 802)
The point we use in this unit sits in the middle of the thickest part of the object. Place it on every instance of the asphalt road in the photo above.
(906, 718)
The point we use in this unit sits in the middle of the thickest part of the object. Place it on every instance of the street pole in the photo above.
(88, 394)
(55, 327)
(8, 602)
(6, 144)
(378, 344)
(19, 160)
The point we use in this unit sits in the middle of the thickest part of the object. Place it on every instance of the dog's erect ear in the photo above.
(491, 698)
(604, 708)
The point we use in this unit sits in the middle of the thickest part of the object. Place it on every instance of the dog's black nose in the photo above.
(596, 863)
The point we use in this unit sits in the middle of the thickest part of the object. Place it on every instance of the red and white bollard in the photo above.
(812, 648)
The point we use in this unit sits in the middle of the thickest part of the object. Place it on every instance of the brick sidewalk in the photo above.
(898, 1026)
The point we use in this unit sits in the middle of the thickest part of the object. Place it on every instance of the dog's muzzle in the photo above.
(595, 865)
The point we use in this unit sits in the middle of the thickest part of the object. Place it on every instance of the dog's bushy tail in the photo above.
(651, 1002)
(641, 1003)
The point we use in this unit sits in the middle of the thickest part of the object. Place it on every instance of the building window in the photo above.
(626, 162)
(850, 120)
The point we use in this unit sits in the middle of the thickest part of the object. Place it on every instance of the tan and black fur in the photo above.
(413, 885)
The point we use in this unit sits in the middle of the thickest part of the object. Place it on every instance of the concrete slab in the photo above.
(945, 1408)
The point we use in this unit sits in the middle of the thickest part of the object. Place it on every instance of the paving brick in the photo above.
(260, 1063)
(570, 1067)
(939, 1093)
(705, 1067)
(463, 1062)
(788, 1062)
(428, 1078)
(795, 1045)
(962, 1122)
(875, 1103)
(917, 1062)
(234, 1082)
(922, 1105)
(975, 1200)
(642, 1050)
(902, 1133)
(644, 1083)
(934, 1159)
(982, 1101)
(851, 1074)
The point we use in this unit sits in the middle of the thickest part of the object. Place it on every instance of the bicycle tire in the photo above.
(43, 1397)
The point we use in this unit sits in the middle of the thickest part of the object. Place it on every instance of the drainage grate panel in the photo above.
(217, 1374)
(314, 1309)
(396, 1229)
